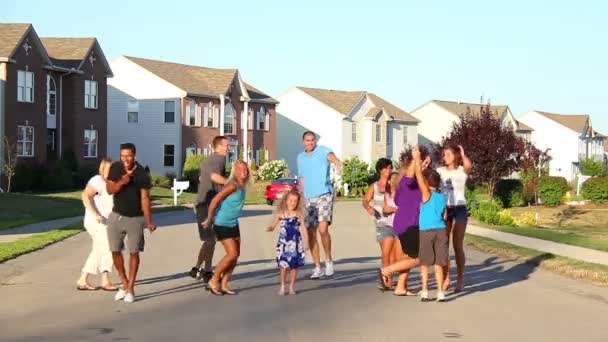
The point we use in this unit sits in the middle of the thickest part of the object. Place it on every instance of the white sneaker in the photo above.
(424, 296)
(129, 298)
(440, 296)
(316, 274)
(120, 295)
(329, 268)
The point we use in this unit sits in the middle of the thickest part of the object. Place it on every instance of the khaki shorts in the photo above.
(434, 247)
(132, 228)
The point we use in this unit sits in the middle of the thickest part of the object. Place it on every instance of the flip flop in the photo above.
(214, 290)
(228, 292)
(110, 288)
(405, 294)
(382, 285)
(86, 287)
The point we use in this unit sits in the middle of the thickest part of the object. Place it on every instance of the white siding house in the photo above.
(137, 104)
(351, 123)
(437, 118)
(570, 138)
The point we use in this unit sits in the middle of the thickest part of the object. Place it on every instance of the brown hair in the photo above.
(392, 188)
(282, 207)
(432, 178)
(218, 140)
(231, 178)
(455, 151)
(103, 164)
(406, 157)
(309, 133)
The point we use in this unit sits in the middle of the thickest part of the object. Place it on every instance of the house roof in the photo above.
(340, 100)
(575, 122)
(10, 37)
(257, 95)
(461, 108)
(67, 52)
(344, 102)
(523, 127)
(195, 80)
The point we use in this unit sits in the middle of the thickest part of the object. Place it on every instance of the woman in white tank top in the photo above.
(454, 174)
(373, 203)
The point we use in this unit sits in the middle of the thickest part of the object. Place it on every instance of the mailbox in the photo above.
(178, 188)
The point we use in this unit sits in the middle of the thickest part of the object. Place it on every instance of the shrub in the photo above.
(552, 190)
(505, 218)
(161, 181)
(355, 173)
(84, 173)
(596, 189)
(262, 157)
(272, 170)
(526, 220)
(192, 169)
(510, 192)
(27, 177)
(60, 177)
(487, 212)
(592, 167)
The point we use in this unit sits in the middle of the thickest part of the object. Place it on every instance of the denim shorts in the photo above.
(383, 232)
(458, 213)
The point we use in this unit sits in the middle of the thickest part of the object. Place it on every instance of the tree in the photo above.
(355, 173)
(533, 164)
(494, 149)
(592, 167)
(10, 162)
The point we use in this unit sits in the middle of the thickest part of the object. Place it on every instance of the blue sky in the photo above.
(528, 54)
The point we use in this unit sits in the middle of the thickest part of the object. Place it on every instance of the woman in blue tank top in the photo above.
(224, 212)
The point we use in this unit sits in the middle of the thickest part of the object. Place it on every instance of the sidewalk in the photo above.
(574, 252)
(12, 234)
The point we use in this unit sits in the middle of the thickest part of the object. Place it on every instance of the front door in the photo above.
(51, 144)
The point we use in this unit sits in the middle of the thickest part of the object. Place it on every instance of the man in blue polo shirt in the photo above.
(315, 182)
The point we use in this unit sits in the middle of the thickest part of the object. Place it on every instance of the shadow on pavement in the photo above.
(488, 275)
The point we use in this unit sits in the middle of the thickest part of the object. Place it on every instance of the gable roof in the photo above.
(523, 127)
(340, 100)
(344, 102)
(576, 122)
(194, 80)
(10, 37)
(461, 108)
(67, 52)
(257, 95)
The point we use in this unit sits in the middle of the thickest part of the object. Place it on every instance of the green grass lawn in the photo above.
(9, 250)
(595, 273)
(255, 195)
(578, 227)
(20, 209)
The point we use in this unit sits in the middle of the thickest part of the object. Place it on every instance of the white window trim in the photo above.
(89, 155)
(89, 96)
(404, 136)
(198, 114)
(49, 92)
(250, 127)
(132, 107)
(207, 114)
(25, 141)
(353, 132)
(232, 122)
(22, 88)
(378, 133)
(165, 112)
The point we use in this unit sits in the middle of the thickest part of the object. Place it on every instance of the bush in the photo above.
(510, 193)
(592, 167)
(552, 190)
(355, 173)
(526, 220)
(505, 218)
(60, 177)
(85, 173)
(596, 189)
(27, 177)
(272, 170)
(487, 212)
(192, 169)
(161, 181)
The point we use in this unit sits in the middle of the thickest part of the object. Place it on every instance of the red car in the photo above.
(275, 190)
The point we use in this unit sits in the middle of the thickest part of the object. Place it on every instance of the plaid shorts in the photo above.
(319, 209)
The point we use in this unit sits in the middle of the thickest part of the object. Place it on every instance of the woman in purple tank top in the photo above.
(407, 198)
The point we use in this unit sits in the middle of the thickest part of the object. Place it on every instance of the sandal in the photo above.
(407, 293)
(228, 292)
(110, 288)
(382, 281)
(86, 287)
(214, 290)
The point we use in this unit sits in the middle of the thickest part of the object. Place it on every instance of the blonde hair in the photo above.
(282, 207)
(231, 178)
(105, 162)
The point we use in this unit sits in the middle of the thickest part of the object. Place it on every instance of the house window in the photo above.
(169, 111)
(90, 143)
(90, 94)
(404, 135)
(25, 141)
(378, 133)
(191, 113)
(132, 111)
(169, 155)
(229, 119)
(25, 86)
(354, 132)
(250, 120)
(208, 115)
(51, 96)
(389, 135)
(216, 114)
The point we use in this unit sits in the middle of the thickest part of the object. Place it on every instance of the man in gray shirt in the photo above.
(211, 179)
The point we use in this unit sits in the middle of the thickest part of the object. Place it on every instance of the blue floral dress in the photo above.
(290, 250)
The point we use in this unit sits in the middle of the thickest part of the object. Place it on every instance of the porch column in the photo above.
(222, 106)
(3, 77)
(245, 120)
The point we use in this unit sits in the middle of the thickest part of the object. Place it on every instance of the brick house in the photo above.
(52, 96)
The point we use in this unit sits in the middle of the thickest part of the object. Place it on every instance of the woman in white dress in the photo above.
(98, 206)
